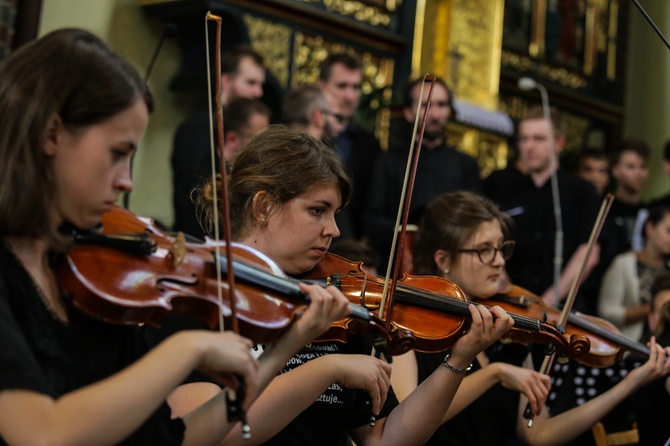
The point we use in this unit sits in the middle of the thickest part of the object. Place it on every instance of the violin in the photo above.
(607, 345)
(130, 272)
(430, 313)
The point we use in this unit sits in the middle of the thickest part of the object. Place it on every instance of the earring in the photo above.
(446, 270)
(263, 220)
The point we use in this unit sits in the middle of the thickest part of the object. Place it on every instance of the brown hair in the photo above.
(70, 73)
(326, 66)
(231, 60)
(557, 122)
(448, 223)
(282, 162)
(408, 95)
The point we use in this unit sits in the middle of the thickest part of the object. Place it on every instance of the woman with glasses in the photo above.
(462, 237)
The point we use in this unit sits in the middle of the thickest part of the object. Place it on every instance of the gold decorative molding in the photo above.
(490, 150)
(371, 14)
(273, 42)
(562, 76)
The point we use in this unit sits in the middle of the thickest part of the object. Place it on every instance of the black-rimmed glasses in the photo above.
(487, 254)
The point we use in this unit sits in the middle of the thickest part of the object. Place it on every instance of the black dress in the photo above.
(489, 420)
(45, 355)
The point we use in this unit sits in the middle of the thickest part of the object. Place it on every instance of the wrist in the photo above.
(454, 365)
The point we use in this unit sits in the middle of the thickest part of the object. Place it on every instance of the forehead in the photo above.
(534, 125)
(440, 93)
(328, 193)
(248, 67)
(487, 232)
(339, 73)
(593, 163)
(629, 156)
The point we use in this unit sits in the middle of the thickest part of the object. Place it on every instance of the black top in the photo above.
(531, 207)
(489, 420)
(440, 170)
(45, 355)
(328, 420)
(651, 405)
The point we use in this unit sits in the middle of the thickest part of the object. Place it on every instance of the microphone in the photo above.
(527, 84)
(169, 31)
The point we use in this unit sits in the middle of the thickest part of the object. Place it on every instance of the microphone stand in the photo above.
(526, 83)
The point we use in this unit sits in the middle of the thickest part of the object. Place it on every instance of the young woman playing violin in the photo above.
(285, 190)
(462, 238)
(72, 113)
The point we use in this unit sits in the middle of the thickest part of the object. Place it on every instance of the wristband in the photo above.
(455, 369)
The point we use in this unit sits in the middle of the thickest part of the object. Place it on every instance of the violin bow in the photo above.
(572, 294)
(390, 282)
(234, 406)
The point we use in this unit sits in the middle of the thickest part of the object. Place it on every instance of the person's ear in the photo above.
(53, 135)
(559, 144)
(442, 260)
(261, 207)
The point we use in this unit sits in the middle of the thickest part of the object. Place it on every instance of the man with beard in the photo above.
(306, 109)
(441, 168)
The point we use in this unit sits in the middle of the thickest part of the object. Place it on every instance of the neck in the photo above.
(541, 177)
(627, 196)
(650, 256)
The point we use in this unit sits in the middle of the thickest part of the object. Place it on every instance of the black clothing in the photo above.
(337, 410)
(359, 150)
(191, 168)
(492, 418)
(45, 355)
(651, 405)
(531, 207)
(440, 170)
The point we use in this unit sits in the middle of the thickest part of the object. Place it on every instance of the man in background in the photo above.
(191, 161)
(341, 78)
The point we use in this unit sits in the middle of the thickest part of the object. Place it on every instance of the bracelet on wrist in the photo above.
(455, 369)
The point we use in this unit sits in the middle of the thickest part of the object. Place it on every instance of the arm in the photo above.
(570, 272)
(327, 305)
(117, 406)
(568, 425)
(422, 411)
(525, 380)
(613, 292)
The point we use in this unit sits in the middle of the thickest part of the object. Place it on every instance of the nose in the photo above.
(498, 259)
(123, 181)
(331, 229)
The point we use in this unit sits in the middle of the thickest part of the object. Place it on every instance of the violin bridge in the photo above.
(178, 249)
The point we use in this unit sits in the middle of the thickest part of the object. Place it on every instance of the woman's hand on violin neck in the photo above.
(486, 328)
(227, 357)
(657, 365)
(363, 372)
(534, 385)
(327, 306)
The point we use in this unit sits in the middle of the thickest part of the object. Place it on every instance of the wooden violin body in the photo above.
(429, 313)
(133, 273)
(607, 345)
